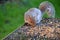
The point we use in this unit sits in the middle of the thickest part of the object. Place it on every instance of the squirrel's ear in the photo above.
(49, 8)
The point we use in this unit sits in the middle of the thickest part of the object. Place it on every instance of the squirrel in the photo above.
(34, 15)
(47, 7)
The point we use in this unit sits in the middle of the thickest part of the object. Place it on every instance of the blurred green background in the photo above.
(12, 13)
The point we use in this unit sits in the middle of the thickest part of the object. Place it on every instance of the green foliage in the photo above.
(45, 16)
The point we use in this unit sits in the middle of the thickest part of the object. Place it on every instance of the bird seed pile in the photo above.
(49, 29)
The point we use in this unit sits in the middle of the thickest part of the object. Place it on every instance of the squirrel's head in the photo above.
(47, 7)
(30, 20)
